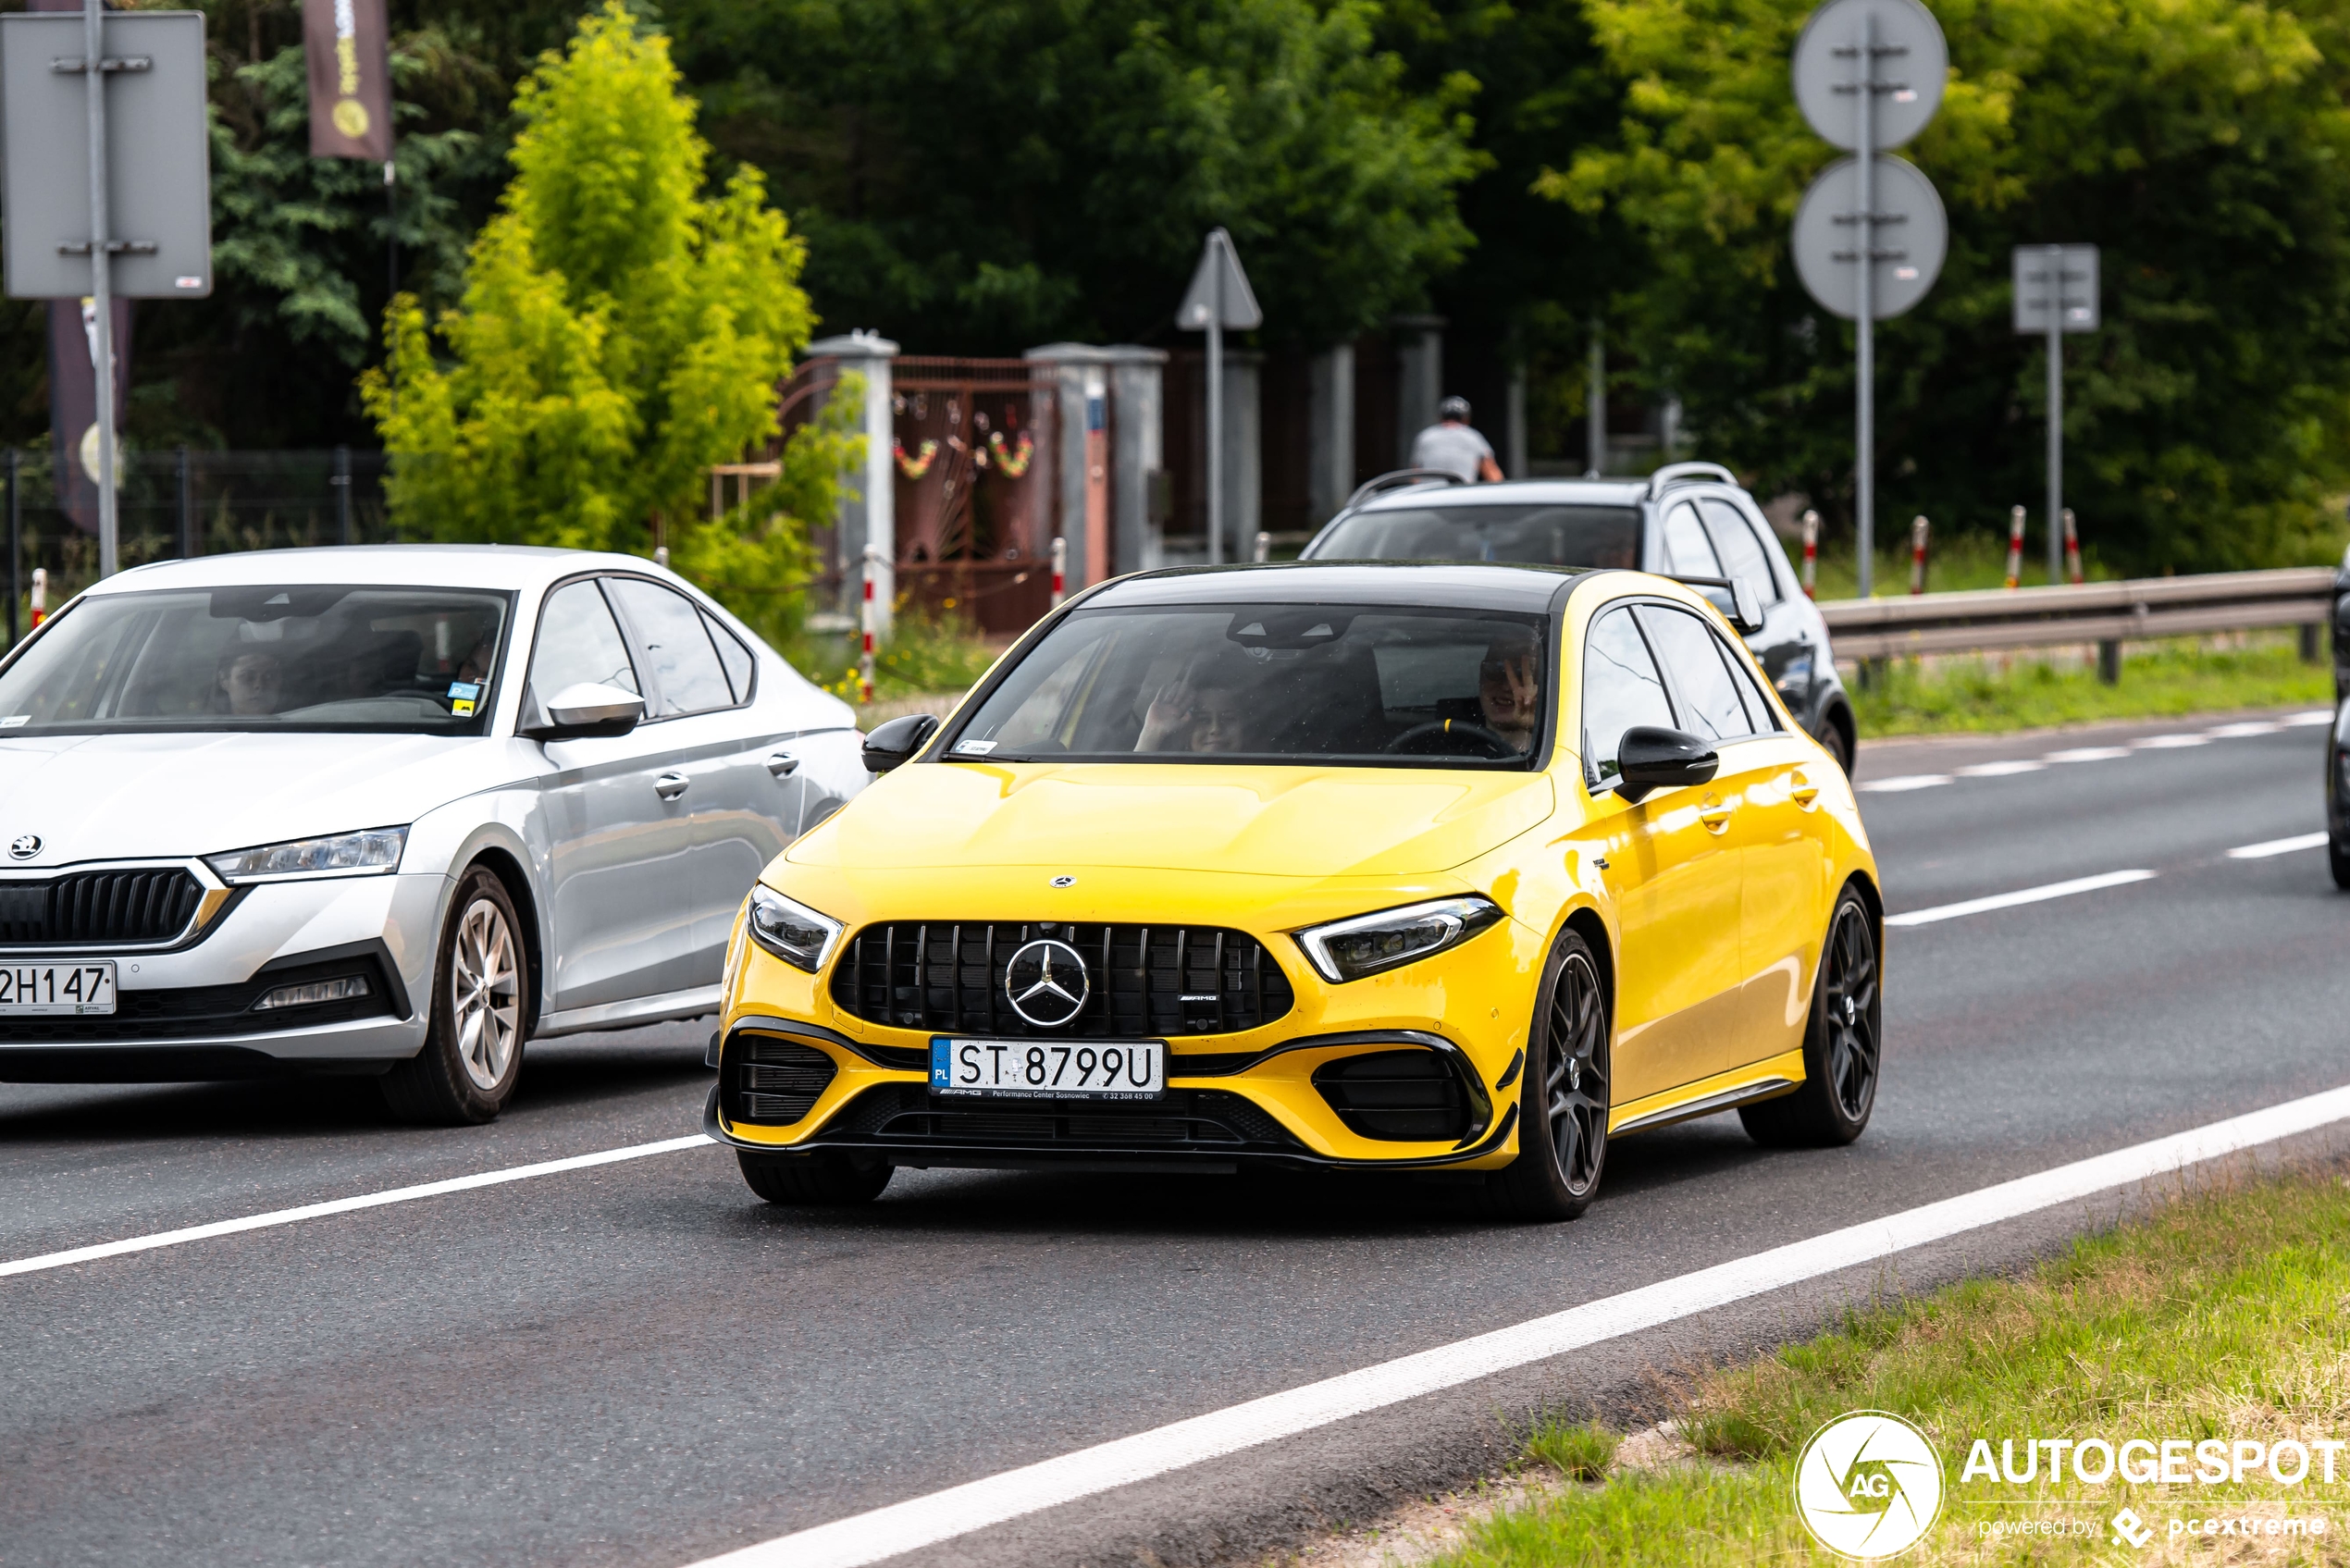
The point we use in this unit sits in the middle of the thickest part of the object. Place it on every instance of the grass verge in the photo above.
(2224, 1316)
(2158, 679)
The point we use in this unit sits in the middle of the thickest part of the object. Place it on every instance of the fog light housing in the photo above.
(311, 993)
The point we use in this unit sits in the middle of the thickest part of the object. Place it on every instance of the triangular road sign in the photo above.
(1218, 264)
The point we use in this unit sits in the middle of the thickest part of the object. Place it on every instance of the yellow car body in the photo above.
(1707, 906)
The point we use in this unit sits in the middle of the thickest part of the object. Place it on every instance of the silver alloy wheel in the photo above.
(484, 994)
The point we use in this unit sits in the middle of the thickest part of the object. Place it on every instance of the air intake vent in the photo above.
(1396, 1096)
(774, 1082)
(1142, 982)
(90, 908)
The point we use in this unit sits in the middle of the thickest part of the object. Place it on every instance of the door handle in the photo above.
(1802, 789)
(783, 764)
(1715, 814)
(669, 787)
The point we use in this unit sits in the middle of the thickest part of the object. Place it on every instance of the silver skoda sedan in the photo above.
(390, 809)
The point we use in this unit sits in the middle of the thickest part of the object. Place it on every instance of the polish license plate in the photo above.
(45, 986)
(1058, 1070)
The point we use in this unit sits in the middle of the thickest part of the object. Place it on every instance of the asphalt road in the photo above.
(641, 1364)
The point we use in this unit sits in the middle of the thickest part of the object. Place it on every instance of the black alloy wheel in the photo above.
(1563, 1108)
(1842, 1044)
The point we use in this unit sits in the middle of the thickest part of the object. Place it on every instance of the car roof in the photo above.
(1466, 585)
(1514, 492)
(505, 567)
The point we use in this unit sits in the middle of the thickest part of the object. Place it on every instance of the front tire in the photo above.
(830, 1180)
(1842, 1043)
(480, 994)
(1563, 1100)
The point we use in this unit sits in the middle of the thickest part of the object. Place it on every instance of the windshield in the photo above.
(1294, 682)
(309, 656)
(1541, 536)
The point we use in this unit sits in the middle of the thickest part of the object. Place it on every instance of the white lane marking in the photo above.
(2277, 847)
(342, 1205)
(925, 1520)
(1905, 783)
(2302, 721)
(2088, 753)
(2245, 731)
(2022, 896)
(2170, 743)
(2001, 770)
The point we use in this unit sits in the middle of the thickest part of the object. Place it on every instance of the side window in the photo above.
(1621, 691)
(1740, 550)
(1749, 684)
(1685, 548)
(1704, 692)
(734, 655)
(579, 643)
(671, 640)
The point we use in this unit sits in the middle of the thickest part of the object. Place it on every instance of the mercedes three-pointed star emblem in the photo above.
(1046, 983)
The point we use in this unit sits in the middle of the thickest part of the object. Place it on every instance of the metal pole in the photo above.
(391, 221)
(187, 519)
(2055, 413)
(15, 545)
(1595, 407)
(1865, 413)
(1216, 416)
(101, 276)
(342, 499)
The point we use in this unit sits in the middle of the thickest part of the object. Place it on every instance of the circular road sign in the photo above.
(1911, 61)
(1912, 235)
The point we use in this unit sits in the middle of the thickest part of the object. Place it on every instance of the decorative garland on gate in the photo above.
(914, 467)
(1011, 461)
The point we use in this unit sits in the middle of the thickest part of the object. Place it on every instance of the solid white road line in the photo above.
(344, 1205)
(2023, 895)
(2314, 716)
(2088, 754)
(2002, 770)
(926, 1521)
(2277, 847)
(1905, 783)
(2246, 730)
(2171, 743)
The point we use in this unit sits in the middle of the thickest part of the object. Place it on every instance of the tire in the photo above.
(480, 1002)
(827, 1181)
(1832, 741)
(1564, 1097)
(1843, 1043)
(2338, 859)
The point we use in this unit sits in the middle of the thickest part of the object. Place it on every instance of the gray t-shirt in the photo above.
(1451, 449)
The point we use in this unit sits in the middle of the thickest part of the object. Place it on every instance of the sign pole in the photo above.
(1216, 418)
(1864, 480)
(101, 278)
(2055, 413)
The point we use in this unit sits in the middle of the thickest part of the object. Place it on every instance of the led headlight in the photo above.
(371, 853)
(791, 931)
(1346, 950)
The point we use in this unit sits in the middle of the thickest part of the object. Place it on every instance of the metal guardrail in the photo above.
(2100, 612)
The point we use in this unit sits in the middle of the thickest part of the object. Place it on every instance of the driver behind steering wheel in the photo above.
(1509, 688)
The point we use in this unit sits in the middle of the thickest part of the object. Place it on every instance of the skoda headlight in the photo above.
(1346, 950)
(371, 853)
(790, 930)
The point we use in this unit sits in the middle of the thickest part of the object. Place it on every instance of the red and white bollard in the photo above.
(865, 669)
(1811, 553)
(1918, 532)
(1061, 570)
(2071, 548)
(39, 594)
(2015, 547)
(1263, 547)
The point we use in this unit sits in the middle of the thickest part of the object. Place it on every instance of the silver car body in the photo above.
(627, 857)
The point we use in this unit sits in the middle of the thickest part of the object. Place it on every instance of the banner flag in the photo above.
(348, 51)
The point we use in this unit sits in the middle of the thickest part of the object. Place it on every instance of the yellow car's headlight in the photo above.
(790, 930)
(1350, 949)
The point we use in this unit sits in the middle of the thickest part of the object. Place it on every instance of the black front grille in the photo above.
(1401, 1096)
(909, 1116)
(1145, 981)
(89, 908)
(773, 1082)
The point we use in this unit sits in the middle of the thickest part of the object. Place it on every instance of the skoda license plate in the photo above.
(45, 986)
(1059, 1069)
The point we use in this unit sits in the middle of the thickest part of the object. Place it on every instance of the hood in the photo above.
(1269, 822)
(109, 797)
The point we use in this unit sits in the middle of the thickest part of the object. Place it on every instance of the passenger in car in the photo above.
(1509, 688)
(1205, 710)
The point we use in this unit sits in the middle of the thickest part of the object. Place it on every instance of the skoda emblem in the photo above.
(1046, 983)
(24, 847)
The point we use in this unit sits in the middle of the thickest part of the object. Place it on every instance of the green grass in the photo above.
(1579, 1452)
(2158, 679)
(2223, 1315)
(927, 652)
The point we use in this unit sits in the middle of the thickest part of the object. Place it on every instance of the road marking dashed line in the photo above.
(2277, 847)
(2022, 896)
(2242, 729)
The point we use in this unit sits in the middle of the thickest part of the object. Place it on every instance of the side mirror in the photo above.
(1651, 758)
(1733, 597)
(579, 711)
(896, 741)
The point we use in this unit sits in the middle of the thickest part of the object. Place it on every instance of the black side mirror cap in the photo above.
(1651, 758)
(1733, 597)
(897, 741)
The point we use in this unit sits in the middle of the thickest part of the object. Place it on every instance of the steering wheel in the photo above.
(1489, 743)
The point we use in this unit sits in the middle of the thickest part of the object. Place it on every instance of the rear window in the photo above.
(1535, 534)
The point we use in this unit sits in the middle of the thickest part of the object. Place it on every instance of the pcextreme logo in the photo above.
(1867, 1485)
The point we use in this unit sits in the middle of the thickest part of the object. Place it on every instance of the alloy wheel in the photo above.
(484, 995)
(1575, 1094)
(1852, 999)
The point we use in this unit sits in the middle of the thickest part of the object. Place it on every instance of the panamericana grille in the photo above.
(85, 907)
(773, 1082)
(1145, 981)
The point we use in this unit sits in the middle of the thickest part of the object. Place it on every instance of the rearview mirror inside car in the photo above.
(586, 709)
(897, 741)
(1653, 757)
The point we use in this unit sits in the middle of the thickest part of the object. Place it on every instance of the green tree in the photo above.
(2203, 144)
(622, 330)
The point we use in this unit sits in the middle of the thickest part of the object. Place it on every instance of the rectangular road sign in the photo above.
(2067, 274)
(158, 156)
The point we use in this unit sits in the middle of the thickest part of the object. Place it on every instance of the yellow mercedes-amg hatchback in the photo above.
(1360, 867)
